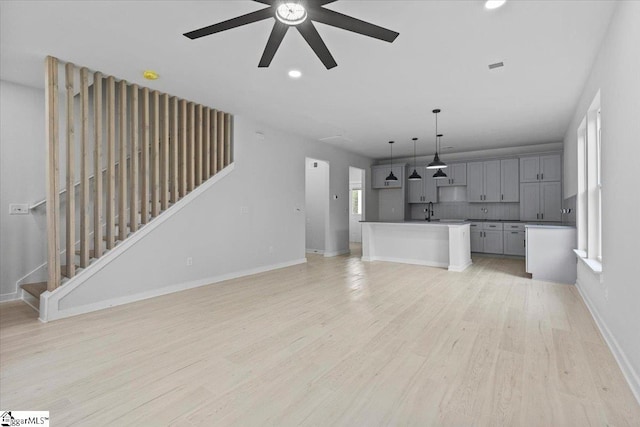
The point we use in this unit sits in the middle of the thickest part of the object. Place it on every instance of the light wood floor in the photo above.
(332, 342)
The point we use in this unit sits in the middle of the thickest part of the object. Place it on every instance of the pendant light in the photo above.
(440, 173)
(391, 176)
(436, 163)
(414, 176)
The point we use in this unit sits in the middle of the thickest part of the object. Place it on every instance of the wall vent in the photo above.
(496, 65)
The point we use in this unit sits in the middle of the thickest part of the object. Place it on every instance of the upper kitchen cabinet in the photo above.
(540, 201)
(541, 168)
(509, 180)
(424, 190)
(379, 176)
(456, 175)
(483, 181)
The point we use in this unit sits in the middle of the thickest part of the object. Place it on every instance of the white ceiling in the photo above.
(378, 92)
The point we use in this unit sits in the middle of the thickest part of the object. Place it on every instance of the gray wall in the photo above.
(616, 73)
(22, 172)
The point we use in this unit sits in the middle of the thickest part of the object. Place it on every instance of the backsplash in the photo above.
(465, 210)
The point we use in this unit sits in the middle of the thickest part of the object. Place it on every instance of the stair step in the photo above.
(91, 253)
(35, 289)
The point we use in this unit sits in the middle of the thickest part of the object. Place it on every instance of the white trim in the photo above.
(14, 296)
(594, 265)
(632, 377)
(337, 253)
(460, 268)
(407, 261)
(51, 311)
(51, 298)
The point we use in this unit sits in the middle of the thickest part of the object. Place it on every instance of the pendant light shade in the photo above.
(391, 176)
(415, 176)
(439, 174)
(436, 163)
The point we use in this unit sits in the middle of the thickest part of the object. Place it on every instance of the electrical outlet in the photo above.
(189, 261)
(244, 210)
(19, 209)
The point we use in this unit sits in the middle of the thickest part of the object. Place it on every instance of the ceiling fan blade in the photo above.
(249, 18)
(346, 22)
(269, 2)
(277, 34)
(310, 34)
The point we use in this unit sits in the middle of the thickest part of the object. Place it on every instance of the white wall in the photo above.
(22, 171)
(616, 73)
(269, 181)
(316, 204)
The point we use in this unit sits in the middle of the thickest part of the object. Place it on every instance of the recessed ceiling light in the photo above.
(150, 75)
(494, 4)
(295, 74)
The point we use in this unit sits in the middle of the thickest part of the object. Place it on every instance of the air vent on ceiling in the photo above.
(496, 65)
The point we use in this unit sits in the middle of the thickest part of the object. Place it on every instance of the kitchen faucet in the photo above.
(429, 211)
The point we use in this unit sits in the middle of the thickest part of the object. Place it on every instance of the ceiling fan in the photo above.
(299, 14)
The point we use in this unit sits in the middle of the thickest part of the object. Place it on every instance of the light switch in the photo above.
(19, 209)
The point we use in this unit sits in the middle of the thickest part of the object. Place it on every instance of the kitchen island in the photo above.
(436, 244)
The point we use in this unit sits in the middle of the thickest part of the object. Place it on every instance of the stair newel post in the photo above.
(206, 144)
(144, 159)
(122, 151)
(165, 153)
(111, 162)
(221, 157)
(97, 165)
(155, 156)
(134, 176)
(85, 220)
(53, 173)
(174, 140)
(70, 216)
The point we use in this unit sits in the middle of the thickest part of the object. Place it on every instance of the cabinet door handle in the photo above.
(538, 176)
(542, 177)
(502, 197)
(514, 232)
(541, 216)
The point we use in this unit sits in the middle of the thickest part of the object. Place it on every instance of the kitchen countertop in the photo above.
(420, 222)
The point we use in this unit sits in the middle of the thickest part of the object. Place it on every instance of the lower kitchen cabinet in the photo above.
(486, 237)
(514, 243)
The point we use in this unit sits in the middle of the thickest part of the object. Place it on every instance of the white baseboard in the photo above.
(315, 251)
(10, 297)
(337, 253)
(49, 312)
(407, 261)
(632, 377)
(460, 268)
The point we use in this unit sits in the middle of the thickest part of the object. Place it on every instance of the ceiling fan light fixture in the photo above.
(291, 13)
(494, 4)
(295, 74)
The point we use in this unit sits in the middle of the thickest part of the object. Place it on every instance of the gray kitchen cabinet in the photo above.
(476, 235)
(540, 201)
(486, 237)
(493, 243)
(379, 174)
(424, 190)
(456, 175)
(484, 181)
(546, 168)
(509, 180)
(514, 242)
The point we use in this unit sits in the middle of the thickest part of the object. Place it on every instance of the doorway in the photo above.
(316, 205)
(356, 204)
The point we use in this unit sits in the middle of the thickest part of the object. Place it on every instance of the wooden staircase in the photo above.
(138, 151)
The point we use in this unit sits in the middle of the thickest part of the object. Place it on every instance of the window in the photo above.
(356, 201)
(589, 204)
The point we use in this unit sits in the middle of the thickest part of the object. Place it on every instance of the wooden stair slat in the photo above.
(35, 289)
(63, 270)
